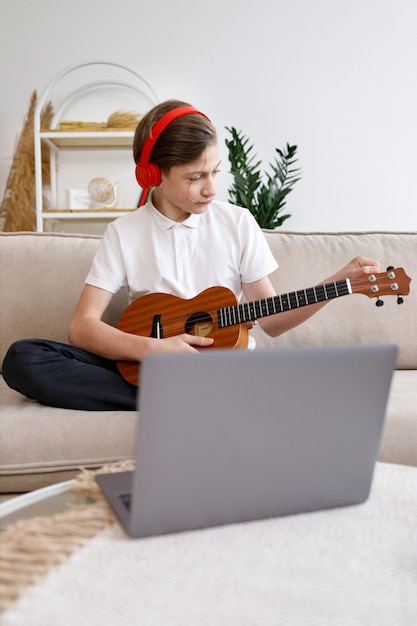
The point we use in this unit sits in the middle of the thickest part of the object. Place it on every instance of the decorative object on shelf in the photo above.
(265, 200)
(119, 120)
(18, 207)
(78, 200)
(103, 191)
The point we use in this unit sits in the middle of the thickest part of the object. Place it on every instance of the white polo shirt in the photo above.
(148, 253)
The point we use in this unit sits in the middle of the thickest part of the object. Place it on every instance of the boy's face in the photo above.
(188, 188)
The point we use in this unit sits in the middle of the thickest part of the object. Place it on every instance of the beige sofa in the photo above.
(42, 275)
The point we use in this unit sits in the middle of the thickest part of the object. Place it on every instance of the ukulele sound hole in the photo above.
(199, 324)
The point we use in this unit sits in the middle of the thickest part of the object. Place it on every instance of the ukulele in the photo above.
(216, 313)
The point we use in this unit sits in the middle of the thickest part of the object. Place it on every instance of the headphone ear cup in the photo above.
(148, 176)
(154, 175)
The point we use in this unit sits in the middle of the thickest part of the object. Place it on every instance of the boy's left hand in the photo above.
(358, 266)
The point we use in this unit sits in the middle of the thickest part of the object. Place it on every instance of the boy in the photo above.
(180, 242)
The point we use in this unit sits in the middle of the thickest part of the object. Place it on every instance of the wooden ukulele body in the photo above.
(161, 315)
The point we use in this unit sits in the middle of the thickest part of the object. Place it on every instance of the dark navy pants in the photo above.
(62, 376)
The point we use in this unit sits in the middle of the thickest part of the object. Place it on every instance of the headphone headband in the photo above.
(148, 174)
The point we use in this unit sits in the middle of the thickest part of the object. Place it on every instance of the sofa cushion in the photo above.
(399, 437)
(41, 445)
(43, 274)
(41, 278)
(306, 259)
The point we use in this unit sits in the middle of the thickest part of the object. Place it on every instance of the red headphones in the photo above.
(148, 174)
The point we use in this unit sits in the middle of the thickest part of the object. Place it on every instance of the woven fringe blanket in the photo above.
(30, 548)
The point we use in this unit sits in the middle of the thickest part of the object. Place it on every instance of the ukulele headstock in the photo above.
(393, 282)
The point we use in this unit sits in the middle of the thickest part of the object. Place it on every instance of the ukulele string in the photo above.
(361, 280)
(375, 278)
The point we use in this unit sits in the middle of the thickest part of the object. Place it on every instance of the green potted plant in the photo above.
(263, 193)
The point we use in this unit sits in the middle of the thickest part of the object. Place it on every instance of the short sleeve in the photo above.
(107, 269)
(257, 259)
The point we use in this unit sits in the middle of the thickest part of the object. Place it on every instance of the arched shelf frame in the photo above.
(131, 80)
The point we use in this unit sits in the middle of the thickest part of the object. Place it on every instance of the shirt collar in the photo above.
(165, 223)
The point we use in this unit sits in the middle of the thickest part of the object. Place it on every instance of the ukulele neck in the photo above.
(251, 311)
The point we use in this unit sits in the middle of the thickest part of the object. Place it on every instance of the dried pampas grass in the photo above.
(18, 207)
(123, 119)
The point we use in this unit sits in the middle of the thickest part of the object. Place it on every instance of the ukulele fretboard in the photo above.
(251, 311)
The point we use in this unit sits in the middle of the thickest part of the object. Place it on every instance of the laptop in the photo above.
(234, 436)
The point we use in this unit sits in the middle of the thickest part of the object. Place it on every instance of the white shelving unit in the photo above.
(108, 140)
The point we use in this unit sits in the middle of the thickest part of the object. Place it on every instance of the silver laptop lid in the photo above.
(235, 436)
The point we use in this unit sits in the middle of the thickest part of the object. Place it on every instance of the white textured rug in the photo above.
(350, 566)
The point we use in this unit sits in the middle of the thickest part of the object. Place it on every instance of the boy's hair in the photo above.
(182, 141)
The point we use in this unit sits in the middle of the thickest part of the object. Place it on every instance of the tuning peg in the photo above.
(389, 268)
(400, 300)
(379, 302)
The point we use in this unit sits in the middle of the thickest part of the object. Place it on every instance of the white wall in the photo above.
(337, 78)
